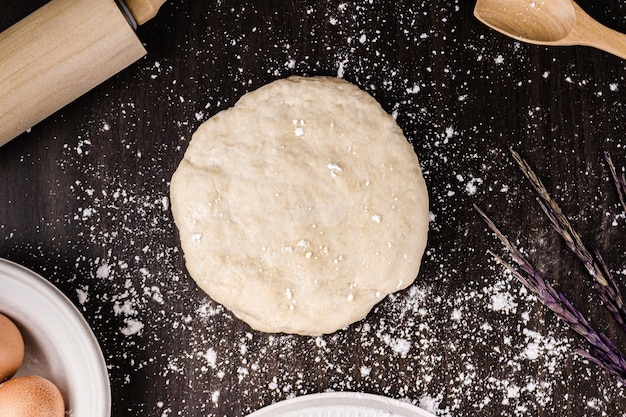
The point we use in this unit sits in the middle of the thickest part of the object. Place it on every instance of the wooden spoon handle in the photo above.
(144, 10)
(589, 32)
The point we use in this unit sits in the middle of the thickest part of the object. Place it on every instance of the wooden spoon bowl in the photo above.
(549, 22)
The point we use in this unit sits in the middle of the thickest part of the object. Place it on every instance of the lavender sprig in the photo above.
(604, 282)
(603, 352)
(619, 180)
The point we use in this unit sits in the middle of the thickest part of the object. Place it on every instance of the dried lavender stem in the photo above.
(604, 353)
(620, 181)
(604, 282)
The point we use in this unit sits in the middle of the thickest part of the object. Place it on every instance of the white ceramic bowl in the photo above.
(59, 344)
(341, 404)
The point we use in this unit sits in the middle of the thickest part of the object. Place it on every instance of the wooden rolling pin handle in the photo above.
(144, 10)
(58, 53)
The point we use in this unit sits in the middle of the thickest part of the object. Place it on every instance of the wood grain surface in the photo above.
(63, 37)
(84, 203)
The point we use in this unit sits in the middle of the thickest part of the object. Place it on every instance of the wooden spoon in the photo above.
(549, 22)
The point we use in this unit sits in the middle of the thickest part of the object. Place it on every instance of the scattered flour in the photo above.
(431, 338)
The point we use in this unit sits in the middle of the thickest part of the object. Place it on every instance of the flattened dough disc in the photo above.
(301, 207)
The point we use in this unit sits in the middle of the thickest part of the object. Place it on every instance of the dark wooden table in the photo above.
(85, 205)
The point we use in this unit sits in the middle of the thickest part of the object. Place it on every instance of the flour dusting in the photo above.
(428, 344)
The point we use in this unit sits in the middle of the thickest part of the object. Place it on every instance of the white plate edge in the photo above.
(70, 312)
(339, 397)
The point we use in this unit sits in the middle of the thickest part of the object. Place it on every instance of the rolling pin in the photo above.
(61, 51)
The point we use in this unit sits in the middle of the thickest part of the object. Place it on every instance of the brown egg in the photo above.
(11, 348)
(30, 396)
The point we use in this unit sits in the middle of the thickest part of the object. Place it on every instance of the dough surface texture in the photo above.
(301, 207)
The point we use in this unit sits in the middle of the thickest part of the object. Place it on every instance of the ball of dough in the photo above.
(301, 207)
